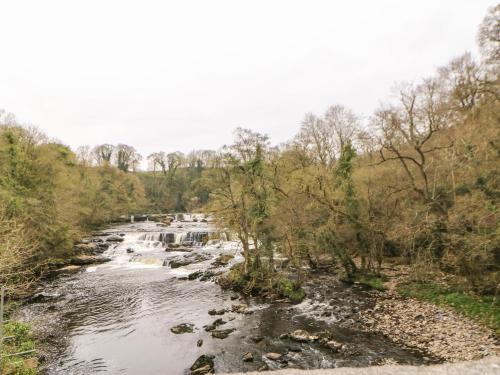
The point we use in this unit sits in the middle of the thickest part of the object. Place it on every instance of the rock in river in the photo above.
(214, 325)
(195, 275)
(239, 308)
(222, 260)
(85, 248)
(81, 260)
(248, 357)
(217, 312)
(274, 356)
(302, 336)
(185, 260)
(68, 270)
(176, 263)
(203, 365)
(115, 238)
(222, 333)
(334, 345)
(182, 328)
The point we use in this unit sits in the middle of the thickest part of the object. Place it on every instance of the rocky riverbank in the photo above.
(433, 329)
(439, 333)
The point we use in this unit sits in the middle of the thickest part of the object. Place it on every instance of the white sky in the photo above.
(181, 75)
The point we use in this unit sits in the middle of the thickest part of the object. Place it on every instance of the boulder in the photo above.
(115, 238)
(195, 275)
(302, 336)
(68, 270)
(199, 343)
(102, 246)
(85, 248)
(223, 260)
(217, 312)
(334, 345)
(203, 365)
(274, 356)
(186, 260)
(178, 248)
(214, 325)
(182, 328)
(247, 357)
(82, 260)
(207, 275)
(222, 333)
(176, 263)
(239, 308)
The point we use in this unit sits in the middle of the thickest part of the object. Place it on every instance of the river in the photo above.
(116, 318)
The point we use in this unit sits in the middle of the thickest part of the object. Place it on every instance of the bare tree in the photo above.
(127, 158)
(315, 140)
(343, 126)
(489, 37)
(103, 154)
(462, 81)
(84, 155)
(323, 139)
(408, 130)
(158, 161)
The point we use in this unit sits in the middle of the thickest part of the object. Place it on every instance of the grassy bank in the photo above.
(482, 309)
(371, 279)
(18, 338)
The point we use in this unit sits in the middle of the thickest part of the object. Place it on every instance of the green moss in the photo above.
(483, 309)
(370, 279)
(291, 290)
(21, 341)
(263, 284)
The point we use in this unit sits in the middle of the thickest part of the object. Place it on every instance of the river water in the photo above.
(115, 318)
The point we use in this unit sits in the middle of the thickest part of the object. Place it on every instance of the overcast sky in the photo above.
(181, 75)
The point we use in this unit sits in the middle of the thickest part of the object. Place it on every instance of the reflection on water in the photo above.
(116, 317)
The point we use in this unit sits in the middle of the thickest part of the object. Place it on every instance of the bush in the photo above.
(291, 290)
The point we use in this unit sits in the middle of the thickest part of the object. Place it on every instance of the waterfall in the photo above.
(163, 237)
(191, 238)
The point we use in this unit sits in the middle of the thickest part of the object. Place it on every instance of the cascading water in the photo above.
(198, 238)
(163, 237)
(116, 317)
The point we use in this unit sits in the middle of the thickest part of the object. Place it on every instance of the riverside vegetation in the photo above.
(415, 186)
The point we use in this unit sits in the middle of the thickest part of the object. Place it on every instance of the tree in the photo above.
(408, 132)
(158, 161)
(240, 196)
(84, 155)
(489, 37)
(103, 154)
(323, 139)
(461, 81)
(126, 158)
